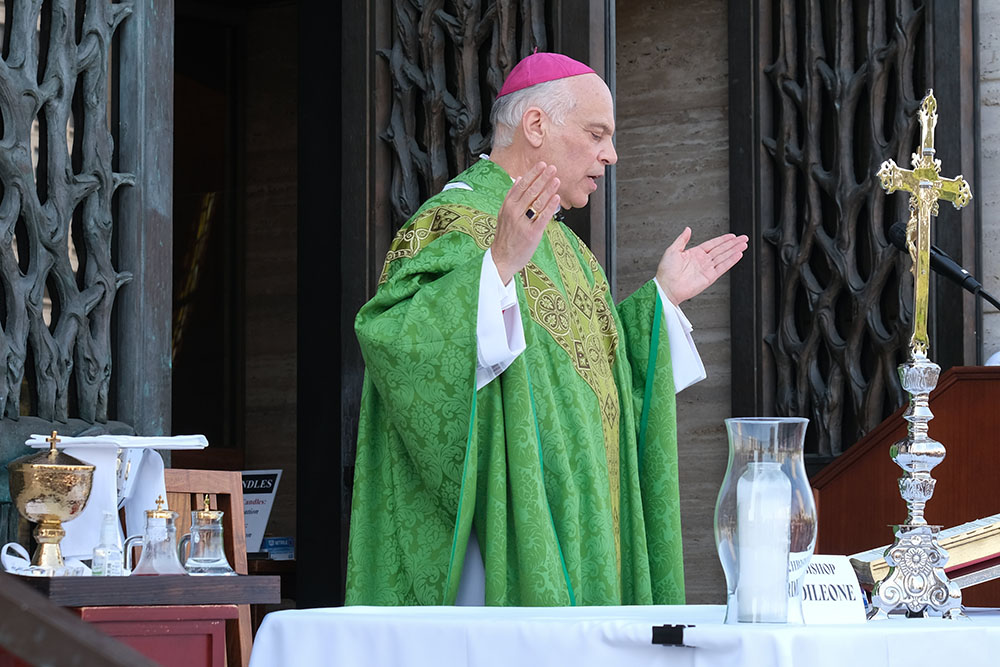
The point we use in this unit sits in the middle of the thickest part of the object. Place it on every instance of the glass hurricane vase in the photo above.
(763, 440)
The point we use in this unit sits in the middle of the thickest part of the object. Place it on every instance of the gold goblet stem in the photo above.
(47, 534)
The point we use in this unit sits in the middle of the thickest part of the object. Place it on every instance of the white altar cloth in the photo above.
(602, 636)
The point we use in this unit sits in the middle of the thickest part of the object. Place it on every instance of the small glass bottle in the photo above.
(107, 561)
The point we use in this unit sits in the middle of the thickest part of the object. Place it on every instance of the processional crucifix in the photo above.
(917, 584)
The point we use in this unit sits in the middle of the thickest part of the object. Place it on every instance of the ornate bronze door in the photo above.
(821, 93)
(86, 95)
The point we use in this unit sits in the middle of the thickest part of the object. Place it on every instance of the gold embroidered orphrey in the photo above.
(917, 584)
(580, 321)
(584, 327)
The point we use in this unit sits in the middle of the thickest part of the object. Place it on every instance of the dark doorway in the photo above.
(207, 315)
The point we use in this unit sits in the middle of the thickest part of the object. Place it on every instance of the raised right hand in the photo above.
(517, 236)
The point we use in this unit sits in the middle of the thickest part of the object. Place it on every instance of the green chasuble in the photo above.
(566, 463)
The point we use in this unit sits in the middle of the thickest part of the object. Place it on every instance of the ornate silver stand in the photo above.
(917, 584)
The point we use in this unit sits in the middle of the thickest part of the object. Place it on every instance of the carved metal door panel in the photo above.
(821, 94)
(85, 93)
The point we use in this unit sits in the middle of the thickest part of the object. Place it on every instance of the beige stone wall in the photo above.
(270, 274)
(673, 171)
(989, 82)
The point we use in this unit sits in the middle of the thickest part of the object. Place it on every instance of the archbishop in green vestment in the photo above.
(566, 464)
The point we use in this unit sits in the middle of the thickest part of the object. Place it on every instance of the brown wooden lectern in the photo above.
(857, 495)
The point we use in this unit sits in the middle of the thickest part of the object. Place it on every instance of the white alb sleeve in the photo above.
(499, 331)
(684, 357)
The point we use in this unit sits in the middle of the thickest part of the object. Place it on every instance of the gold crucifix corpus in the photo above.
(926, 187)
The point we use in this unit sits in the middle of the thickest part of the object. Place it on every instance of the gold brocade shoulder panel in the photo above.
(434, 223)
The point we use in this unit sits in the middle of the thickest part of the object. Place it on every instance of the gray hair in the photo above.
(552, 97)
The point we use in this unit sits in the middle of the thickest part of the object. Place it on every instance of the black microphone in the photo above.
(943, 264)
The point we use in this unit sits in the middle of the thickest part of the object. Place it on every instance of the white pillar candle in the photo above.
(763, 502)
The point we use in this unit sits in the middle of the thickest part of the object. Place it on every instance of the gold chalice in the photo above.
(49, 488)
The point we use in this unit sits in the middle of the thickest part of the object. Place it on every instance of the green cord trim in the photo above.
(654, 344)
(461, 496)
(541, 466)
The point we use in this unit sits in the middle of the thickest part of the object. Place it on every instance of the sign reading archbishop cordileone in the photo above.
(259, 487)
(831, 593)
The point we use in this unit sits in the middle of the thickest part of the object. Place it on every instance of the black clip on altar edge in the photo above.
(669, 635)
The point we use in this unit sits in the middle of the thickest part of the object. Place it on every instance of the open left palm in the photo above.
(686, 272)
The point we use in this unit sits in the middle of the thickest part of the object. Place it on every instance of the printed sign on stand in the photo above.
(831, 593)
(259, 487)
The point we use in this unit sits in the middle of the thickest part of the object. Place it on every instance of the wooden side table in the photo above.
(175, 620)
(174, 636)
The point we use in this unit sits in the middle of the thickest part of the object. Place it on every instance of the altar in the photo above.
(601, 636)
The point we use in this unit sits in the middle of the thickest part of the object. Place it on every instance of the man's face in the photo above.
(581, 147)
